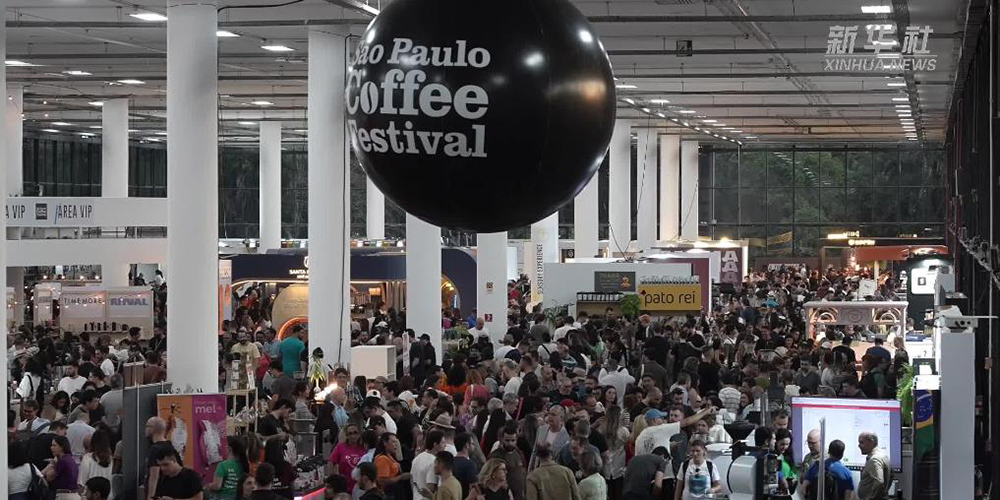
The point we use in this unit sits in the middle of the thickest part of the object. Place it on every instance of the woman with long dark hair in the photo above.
(62, 471)
(97, 463)
(491, 435)
(227, 475)
(616, 433)
(245, 487)
(284, 473)
(20, 472)
(58, 408)
(388, 453)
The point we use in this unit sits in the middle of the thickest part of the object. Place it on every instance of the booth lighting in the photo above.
(151, 17)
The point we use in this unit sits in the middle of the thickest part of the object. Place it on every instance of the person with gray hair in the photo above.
(876, 477)
(113, 402)
(593, 486)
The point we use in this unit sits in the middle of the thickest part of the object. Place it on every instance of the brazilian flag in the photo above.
(923, 423)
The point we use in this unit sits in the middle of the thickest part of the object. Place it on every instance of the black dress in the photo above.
(501, 494)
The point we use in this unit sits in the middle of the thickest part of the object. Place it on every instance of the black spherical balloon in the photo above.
(480, 114)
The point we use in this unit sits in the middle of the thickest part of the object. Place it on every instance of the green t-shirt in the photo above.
(788, 469)
(291, 352)
(230, 471)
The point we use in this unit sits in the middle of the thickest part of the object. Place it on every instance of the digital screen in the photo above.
(845, 420)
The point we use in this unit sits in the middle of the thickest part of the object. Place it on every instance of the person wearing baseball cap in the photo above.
(373, 408)
(658, 432)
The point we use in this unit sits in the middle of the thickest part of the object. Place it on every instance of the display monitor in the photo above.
(845, 420)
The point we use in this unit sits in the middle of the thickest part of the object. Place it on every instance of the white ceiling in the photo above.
(750, 91)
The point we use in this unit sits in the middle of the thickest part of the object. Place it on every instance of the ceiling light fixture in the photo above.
(262, 103)
(876, 9)
(902, 105)
(710, 121)
(625, 86)
(896, 84)
(277, 48)
(226, 34)
(62, 124)
(687, 111)
(76, 72)
(151, 17)
(96, 103)
(750, 136)
(737, 131)
(51, 130)
(19, 64)
(247, 123)
(132, 81)
(900, 99)
(630, 101)
(659, 101)
(95, 127)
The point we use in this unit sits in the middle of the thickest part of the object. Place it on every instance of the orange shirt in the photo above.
(386, 466)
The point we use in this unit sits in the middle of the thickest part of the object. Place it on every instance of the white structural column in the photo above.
(270, 185)
(3, 256)
(645, 188)
(544, 249)
(329, 199)
(689, 190)
(491, 282)
(193, 193)
(15, 136)
(423, 280)
(670, 187)
(15, 181)
(375, 212)
(114, 173)
(585, 221)
(619, 189)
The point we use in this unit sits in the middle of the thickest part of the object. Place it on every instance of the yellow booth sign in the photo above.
(680, 297)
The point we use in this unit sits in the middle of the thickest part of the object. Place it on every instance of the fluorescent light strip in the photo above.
(132, 81)
(687, 111)
(277, 48)
(625, 86)
(876, 9)
(226, 34)
(149, 16)
(900, 99)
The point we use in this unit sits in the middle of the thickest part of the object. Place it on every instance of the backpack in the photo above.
(38, 489)
(684, 469)
(831, 488)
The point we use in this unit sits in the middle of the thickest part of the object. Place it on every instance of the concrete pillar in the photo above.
(114, 148)
(645, 184)
(329, 199)
(3, 259)
(689, 190)
(15, 136)
(670, 187)
(270, 186)
(585, 221)
(544, 249)
(423, 280)
(375, 213)
(491, 279)
(114, 174)
(193, 193)
(619, 192)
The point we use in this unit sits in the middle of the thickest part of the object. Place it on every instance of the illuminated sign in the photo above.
(670, 297)
(861, 243)
(844, 235)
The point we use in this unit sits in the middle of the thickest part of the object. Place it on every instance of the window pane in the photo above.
(806, 204)
(779, 205)
(831, 169)
(922, 204)
(886, 167)
(753, 207)
(806, 168)
(726, 206)
(806, 240)
(779, 240)
(779, 169)
(725, 169)
(831, 202)
(859, 168)
(885, 208)
(752, 169)
(705, 174)
(859, 205)
(705, 205)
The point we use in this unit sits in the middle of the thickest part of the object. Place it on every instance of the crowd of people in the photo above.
(579, 407)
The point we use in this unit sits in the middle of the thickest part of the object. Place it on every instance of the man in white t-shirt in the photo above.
(501, 352)
(423, 481)
(512, 375)
(563, 327)
(659, 432)
(77, 432)
(72, 382)
(102, 357)
(480, 329)
(617, 377)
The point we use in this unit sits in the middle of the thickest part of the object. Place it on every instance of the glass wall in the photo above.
(784, 199)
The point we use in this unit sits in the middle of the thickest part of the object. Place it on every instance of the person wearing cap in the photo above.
(373, 408)
(658, 432)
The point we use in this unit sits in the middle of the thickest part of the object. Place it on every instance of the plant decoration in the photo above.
(317, 370)
(630, 305)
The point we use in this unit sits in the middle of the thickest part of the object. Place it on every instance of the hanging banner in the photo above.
(196, 426)
(85, 212)
(225, 291)
(135, 304)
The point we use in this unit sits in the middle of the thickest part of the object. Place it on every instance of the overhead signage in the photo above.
(85, 212)
(614, 281)
(844, 235)
(861, 242)
(670, 297)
